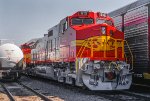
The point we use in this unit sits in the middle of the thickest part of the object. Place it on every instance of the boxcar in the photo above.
(134, 21)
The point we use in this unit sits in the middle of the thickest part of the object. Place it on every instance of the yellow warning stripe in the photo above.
(100, 43)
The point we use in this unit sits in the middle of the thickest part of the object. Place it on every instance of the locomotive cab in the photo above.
(101, 46)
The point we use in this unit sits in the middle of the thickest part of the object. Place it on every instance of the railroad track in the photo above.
(7, 92)
(138, 95)
(112, 95)
(22, 86)
(120, 95)
(141, 85)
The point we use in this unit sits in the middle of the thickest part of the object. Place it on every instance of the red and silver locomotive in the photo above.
(84, 49)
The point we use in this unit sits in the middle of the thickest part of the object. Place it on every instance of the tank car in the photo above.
(11, 60)
(134, 21)
(84, 49)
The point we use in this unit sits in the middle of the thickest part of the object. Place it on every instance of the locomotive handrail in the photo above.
(117, 66)
(82, 47)
(125, 57)
(84, 43)
(130, 53)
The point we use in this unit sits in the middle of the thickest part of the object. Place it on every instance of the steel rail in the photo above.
(79, 89)
(37, 93)
(138, 95)
(8, 92)
(114, 96)
(142, 85)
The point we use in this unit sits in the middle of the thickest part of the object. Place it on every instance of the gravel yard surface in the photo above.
(61, 92)
(3, 95)
(19, 93)
(58, 92)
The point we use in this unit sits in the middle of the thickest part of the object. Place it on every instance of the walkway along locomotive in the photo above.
(134, 21)
(11, 60)
(84, 49)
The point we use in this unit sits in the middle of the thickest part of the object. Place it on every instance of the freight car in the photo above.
(134, 21)
(84, 49)
(11, 60)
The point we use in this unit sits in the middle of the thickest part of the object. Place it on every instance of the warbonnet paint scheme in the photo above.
(84, 49)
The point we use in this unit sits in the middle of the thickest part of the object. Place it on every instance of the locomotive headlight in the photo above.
(104, 14)
(103, 29)
(83, 13)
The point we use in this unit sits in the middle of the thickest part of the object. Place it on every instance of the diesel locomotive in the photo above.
(84, 49)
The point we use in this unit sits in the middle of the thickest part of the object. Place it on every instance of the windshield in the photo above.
(101, 21)
(80, 21)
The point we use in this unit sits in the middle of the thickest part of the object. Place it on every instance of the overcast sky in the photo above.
(22, 20)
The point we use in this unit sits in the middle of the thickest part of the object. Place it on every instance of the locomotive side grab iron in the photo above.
(84, 49)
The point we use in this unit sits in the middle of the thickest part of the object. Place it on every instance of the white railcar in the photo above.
(11, 60)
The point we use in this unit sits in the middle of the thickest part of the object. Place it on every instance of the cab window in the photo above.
(65, 26)
(80, 21)
(101, 21)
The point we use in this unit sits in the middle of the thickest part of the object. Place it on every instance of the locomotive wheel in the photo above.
(19, 76)
(84, 87)
(73, 82)
(16, 76)
(64, 80)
